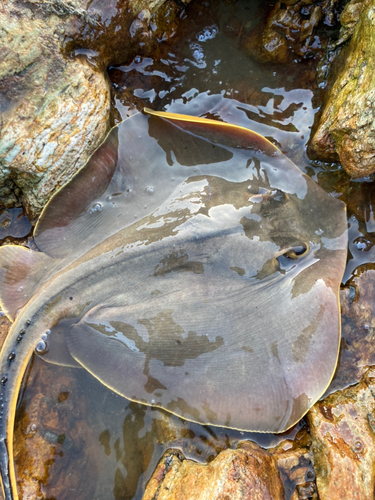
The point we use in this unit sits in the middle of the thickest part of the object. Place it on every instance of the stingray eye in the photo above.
(280, 196)
(287, 259)
(297, 251)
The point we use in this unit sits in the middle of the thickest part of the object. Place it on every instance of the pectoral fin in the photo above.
(109, 360)
(58, 352)
(22, 271)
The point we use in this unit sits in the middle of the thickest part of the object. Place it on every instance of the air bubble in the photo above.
(44, 336)
(28, 322)
(149, 189)
(12, 356)
(97, 207)
(153, 401)
(2, 314)
(48, 332)
(198, 54)
(208, 33)
(41, 347)
(362, 244)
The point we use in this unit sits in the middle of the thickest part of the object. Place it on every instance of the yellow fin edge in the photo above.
(197, 119)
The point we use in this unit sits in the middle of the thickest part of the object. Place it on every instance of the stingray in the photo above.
(190, 266)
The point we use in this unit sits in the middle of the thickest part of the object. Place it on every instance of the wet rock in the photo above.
(245, 473)
(289, 31)
(296, 465)
(54, 95)
(5, 325)
(297, 473)
(343, 434)
(345, 128)
(358, 329)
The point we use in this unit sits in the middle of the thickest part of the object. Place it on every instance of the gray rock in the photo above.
(54, 94)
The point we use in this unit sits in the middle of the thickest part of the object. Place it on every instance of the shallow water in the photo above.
(14, 224)
(114, 443)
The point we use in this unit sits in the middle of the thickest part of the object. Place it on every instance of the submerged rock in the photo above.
(54, 95)
(245, 473)
(345, 129)
(289, 31)
(54, 448)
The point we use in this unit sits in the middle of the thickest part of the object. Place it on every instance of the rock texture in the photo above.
(358, 329)
(54, 446)
(343, 435)
(332, 459)
(289, 31)
(345, 130)
(246, 473)
(54, 94)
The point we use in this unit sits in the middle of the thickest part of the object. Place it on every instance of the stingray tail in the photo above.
(14, 360)
(4, 471)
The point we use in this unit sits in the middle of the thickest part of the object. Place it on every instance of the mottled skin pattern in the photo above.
(162, 296)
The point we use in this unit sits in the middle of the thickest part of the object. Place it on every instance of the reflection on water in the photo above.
(206, 73)
(359, 196)
(14, 223)
(202, 73)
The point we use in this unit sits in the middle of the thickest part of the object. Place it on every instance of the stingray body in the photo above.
(190, 266)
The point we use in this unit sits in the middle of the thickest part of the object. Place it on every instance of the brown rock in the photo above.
(295, 463)
(297, 472)
(343, 434)
(289, 31)
(54, 451)
(345, 129)
(5, 325)
(246, 473)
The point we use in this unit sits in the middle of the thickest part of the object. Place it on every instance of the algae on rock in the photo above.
(346, 129)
